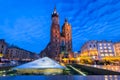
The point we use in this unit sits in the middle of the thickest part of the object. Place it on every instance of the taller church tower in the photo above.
(55, 35)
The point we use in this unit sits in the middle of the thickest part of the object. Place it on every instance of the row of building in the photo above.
(99, 49)
(15, 53)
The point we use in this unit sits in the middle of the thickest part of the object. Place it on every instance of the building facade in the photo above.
(3, 47)
(117, 48)
(12, 52)
(105, 48)
(60, 42)
(15, 53)
(89, 49)
(97, 49)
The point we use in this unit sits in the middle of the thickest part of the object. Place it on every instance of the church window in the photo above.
(63, 43)
(2, 46)
(56, 36)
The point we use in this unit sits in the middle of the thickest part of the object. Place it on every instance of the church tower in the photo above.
(66, 32)
(60, 44)
(55, 35)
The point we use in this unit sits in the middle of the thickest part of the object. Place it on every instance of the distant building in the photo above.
(97, 49)
(117, 48)
(3, 47)
(76, 54)
(89, 49)
(105, 48)
(60, 42)
(16, 53)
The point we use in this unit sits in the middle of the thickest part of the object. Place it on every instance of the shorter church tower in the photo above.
(66, 33)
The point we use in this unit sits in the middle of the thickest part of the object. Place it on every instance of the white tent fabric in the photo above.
(42, 63)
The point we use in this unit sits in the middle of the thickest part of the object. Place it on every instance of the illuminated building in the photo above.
(105, 48)
(60, 42)
(97, 49)
(89, 49)
(117, 48)
(42, 66)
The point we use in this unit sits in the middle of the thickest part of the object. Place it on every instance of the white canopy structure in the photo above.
(43, 63)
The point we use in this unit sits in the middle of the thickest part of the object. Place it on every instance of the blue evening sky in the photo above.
(26, 23)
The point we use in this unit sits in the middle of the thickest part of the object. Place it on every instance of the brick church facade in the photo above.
(60, 42)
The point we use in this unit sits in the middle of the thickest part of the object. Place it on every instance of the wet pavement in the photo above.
(108, 67)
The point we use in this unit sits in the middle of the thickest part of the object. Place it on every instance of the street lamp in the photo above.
(78, 59)
(1, 55)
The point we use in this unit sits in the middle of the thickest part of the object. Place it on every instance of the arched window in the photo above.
(90, 46)
(63, 43)
(2, 46)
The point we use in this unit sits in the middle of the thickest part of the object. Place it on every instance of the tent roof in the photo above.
(41, 63)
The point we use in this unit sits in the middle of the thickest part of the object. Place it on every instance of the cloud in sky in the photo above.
(27, 24)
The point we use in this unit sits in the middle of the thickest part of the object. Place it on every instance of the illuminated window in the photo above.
(109, 47)
(108, 44)
(101, 50)
(104, 44)
(110, 50)
(111, 54)
(106, 51)
(100, 44)
(105, 47)
(102, 54)
(100, 47)
(106, 54)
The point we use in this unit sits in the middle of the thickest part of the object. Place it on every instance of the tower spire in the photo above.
(55, 9)
(55, 12)
(66, 20)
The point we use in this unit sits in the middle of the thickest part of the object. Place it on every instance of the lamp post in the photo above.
(78, 60)
(1, 55)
